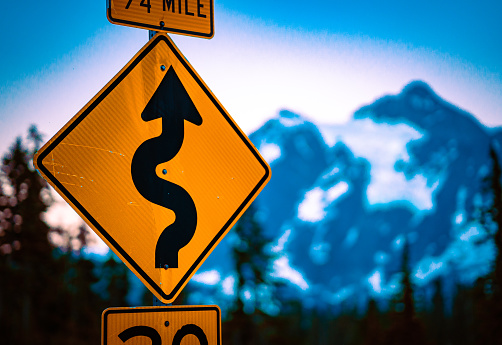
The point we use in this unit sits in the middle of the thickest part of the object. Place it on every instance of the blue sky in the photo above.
(322, 59)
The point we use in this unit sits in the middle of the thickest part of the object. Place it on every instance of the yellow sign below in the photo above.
(185, 17)
(172, 325)
(156, 167)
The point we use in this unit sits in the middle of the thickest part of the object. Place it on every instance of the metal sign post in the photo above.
(156, 166)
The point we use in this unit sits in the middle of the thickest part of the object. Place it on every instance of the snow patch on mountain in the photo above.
(269, 151)
(468, 257)
(381, 287)
(313, 206)
(375, 281)
(385, 147)
(228, 285)
(429, 269)
(459, 217)
(289, 119)
(283, 270)
(211, 277)
(281, 241)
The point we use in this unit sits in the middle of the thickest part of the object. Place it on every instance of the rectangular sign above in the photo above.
(185, 17)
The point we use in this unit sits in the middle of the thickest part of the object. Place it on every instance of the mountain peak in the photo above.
(288, 114)
(418, 87)
(419, 104)
(289, 119)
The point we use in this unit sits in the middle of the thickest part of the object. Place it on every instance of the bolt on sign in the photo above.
(186, 17)
(188, 325)
(156, 167)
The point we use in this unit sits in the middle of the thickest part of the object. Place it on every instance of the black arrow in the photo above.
(173, 105)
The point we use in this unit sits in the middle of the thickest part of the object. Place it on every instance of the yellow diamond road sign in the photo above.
(156, 167)
(186, 17)
(189, 325)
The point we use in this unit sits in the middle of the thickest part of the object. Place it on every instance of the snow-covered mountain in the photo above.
(344, 198)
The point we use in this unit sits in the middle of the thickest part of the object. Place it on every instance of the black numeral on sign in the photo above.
(144, 331)
(190, 329)
(154, 336)
(146, 3)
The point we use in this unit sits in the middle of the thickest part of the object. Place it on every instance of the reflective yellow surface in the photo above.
(170, 324)
(89, 163)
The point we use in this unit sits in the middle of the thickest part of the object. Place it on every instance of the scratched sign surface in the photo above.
(156, 167)
(185, 17)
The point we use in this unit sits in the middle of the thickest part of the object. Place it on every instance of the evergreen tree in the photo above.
(437, 325)
(371, 325)
(496, 213)
(461, 330)
(315, 328)
(491, 331)
(85, 304)
(46, 294)
(25, 251)
(248, 324)
(345, 328)
(118, 283)
(482, 323)
(289, 326)
(405, 328)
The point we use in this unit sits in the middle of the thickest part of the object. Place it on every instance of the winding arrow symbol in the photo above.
(173, 105)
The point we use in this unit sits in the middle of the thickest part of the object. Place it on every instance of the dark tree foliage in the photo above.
(118, 283)
(489, 301)
(55, 295)
(437, 323)
(405, 328)
(461, 327)
(289, 327)
(247, 323)
(25, 252)
(344, 329)
(496, 213)
(371, 325)
(48, 294)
